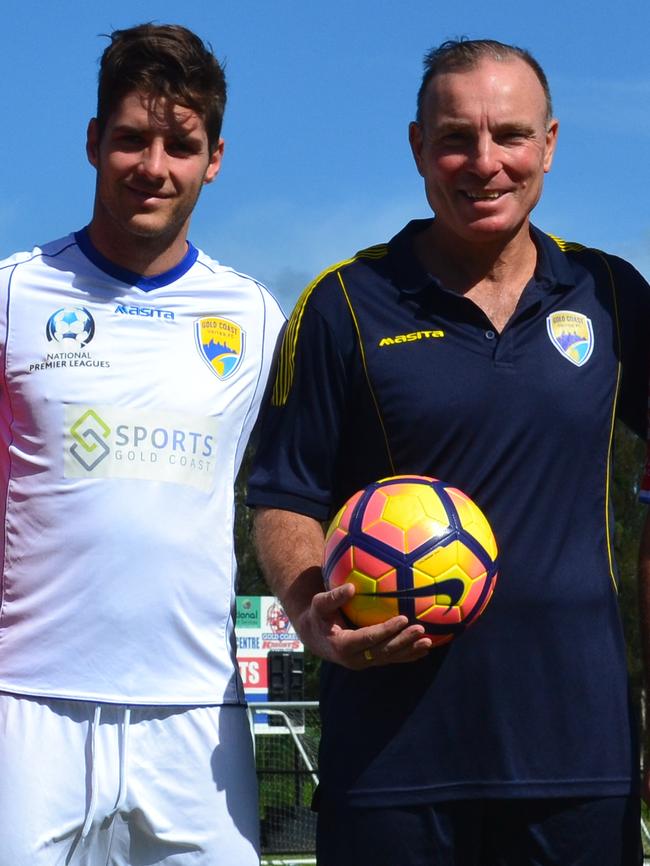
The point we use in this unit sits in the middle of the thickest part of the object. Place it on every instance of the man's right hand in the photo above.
(324, 631)
(290, 551)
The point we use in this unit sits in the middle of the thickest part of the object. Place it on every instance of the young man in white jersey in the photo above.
(133, 368)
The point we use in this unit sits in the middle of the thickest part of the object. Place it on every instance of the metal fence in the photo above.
(286, 736)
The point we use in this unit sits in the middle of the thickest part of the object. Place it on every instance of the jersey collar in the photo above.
(146, 284)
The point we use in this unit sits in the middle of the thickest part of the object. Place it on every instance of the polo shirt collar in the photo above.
(553, 266)
(408, 274)
(553, 271)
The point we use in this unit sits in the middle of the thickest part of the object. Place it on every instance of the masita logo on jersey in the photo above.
(109, 442)
(144, 312)
(221, 344)
(71, 325)
(572, 335)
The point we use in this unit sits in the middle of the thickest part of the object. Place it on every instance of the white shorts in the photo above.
(84, 784)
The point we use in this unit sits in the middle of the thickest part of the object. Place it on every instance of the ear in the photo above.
(416, 139)
(551, 143)
(92, 142)
(215, 162)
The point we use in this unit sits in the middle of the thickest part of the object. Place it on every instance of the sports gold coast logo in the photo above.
(89, 433)
(572, 335)
(221, 344)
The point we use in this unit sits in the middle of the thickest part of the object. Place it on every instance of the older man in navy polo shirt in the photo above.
(514, 744)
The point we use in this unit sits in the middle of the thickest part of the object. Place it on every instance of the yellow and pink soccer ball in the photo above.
(415, 546)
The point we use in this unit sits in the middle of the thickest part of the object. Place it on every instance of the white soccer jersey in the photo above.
(125, 409)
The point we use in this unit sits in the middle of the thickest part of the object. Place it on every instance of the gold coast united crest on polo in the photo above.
(221, 344)
(572, 335)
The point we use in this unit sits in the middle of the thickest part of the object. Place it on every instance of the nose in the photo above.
(152, 162)
(486, 158)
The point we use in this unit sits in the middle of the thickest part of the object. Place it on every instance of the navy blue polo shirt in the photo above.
(384, 371)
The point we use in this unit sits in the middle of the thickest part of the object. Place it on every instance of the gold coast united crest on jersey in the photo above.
(221, 344)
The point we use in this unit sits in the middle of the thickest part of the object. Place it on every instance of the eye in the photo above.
(129, 141)
(183, 147)
(512, 136)
(454, 138)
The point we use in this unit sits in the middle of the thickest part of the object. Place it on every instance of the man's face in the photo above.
(152, 160)
(483, 147)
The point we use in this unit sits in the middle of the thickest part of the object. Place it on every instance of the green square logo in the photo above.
(248, 611)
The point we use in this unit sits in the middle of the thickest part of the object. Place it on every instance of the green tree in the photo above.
(249, 577)
(629, 516)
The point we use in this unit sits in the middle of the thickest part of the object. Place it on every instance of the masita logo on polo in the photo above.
(109, 442)
(411, 337)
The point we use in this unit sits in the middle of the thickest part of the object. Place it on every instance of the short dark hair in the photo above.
(465, 53)
(163, 61)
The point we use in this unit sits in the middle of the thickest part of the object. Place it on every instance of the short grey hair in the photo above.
(466, 53)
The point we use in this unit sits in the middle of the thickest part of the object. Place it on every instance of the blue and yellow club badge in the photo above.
(221, 344)
(572, 335)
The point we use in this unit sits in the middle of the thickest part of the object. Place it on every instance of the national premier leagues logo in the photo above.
(221, 344)
(572, 335)
(71, 324)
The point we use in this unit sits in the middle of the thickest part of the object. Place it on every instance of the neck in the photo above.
(462, 265)
(141, 254)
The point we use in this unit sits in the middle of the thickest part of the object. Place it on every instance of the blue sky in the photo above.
(317, 162)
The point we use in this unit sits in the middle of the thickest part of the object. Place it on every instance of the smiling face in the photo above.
(483, 147)
(152, 160)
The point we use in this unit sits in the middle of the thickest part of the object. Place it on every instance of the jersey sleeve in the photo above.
(7, 268)
(6, 271)
(294, 465)
(272, 322)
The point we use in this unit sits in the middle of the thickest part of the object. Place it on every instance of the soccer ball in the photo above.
(71, 323)
(415, 546)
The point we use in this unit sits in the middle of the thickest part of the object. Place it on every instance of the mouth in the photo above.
(147, 194)
(485, 195)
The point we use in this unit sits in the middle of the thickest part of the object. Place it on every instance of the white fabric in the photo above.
(173, 785)
(117, 466)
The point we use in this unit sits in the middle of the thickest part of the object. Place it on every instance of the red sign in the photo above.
(254, 672)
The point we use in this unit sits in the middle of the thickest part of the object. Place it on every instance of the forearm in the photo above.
(289, 550)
